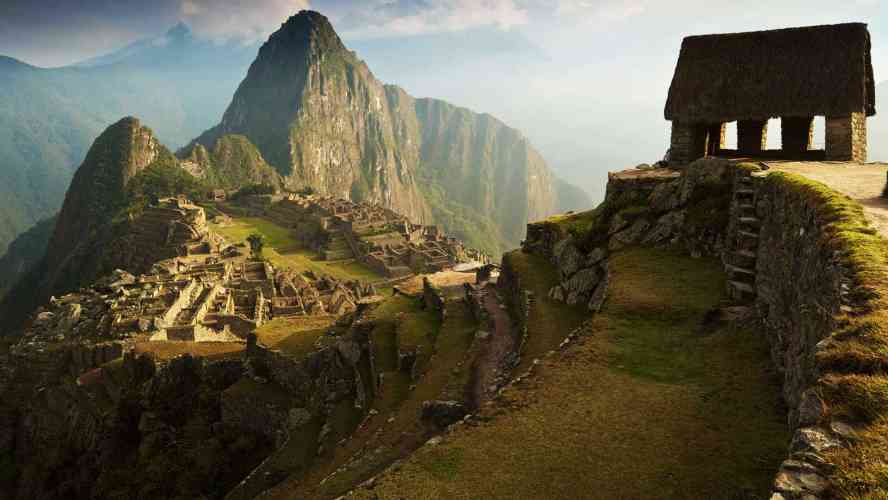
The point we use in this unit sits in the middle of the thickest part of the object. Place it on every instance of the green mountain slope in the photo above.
(232, 163)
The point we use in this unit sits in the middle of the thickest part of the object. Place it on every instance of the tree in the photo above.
(257, 243)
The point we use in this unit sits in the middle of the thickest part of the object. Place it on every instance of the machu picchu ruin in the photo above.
(383, 240)
(339, 291)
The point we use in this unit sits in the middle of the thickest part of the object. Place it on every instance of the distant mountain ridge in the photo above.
(49, 117)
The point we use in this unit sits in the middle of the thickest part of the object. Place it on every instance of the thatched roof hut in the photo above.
(794, 74)
(817, 70)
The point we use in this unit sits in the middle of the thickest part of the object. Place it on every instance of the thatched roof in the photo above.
(817, 70)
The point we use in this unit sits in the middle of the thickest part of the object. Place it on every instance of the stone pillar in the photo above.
(715, 138)
(797, 133)
(688, 142)
(752, 136)
(846, 138)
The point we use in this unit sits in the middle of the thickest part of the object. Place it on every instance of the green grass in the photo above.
(614, 417)
(550, 321)
(283, 250)
(295, 337)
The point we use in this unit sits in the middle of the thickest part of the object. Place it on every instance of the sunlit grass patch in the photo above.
(283, 250)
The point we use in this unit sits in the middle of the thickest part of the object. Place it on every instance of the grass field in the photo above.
(165, 350)
(293, 336)
(650, 405)
(284, 251)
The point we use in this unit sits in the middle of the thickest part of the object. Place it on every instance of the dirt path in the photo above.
(863, 183)
(490, 365)
(644, 405)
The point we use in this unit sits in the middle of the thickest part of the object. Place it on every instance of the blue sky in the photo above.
(584, 79)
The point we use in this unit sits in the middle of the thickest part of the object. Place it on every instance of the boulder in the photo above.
(629, 236)
(567, 256)
(595, 256)
(813, 439)
(443, 413)
(667, 228)
(298, 417)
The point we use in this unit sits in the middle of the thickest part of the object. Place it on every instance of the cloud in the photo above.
(245, 20)
(600, 11)
(389, 18)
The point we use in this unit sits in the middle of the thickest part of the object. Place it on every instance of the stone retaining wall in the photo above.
(818, 278)
(819, 272)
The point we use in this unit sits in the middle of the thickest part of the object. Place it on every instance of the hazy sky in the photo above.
(586, 80)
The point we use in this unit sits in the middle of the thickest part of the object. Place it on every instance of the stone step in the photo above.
(745, 192)
(739, 290)
(746, 206)
(732, 269)
(750, 221)
(748, 234)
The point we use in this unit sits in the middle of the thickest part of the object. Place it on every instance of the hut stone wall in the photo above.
(846, 138)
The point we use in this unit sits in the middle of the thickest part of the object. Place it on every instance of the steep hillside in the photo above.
(233, 162)
(319, 116)
(24, 252)
(124, 169)
(49, 117)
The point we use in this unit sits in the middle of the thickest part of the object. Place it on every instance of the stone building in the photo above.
(384, 240)
(794, 74)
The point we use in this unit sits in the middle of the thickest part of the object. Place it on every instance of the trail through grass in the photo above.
(651, 405)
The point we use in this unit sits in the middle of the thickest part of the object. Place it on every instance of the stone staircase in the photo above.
(337, 247)
(740, 265)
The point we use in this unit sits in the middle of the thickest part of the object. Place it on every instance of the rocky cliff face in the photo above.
(98, 188)
(124, 167)
(320, 117)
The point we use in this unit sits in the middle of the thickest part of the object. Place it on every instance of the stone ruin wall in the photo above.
(802, 288)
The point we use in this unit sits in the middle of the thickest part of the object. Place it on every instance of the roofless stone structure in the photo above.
(794, 74)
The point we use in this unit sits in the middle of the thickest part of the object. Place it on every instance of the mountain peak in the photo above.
(11, 62)
(179, 31)
(307, 26)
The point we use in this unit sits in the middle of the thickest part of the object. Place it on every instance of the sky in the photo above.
(585, 80)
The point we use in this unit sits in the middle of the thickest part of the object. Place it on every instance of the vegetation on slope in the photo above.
(393, 429)
(653, 403)
(24, 252)
(461, 221)
(233, 163)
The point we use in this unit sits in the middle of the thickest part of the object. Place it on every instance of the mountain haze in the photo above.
(49, 117)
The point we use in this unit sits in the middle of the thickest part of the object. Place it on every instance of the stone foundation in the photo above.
(846, 138)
